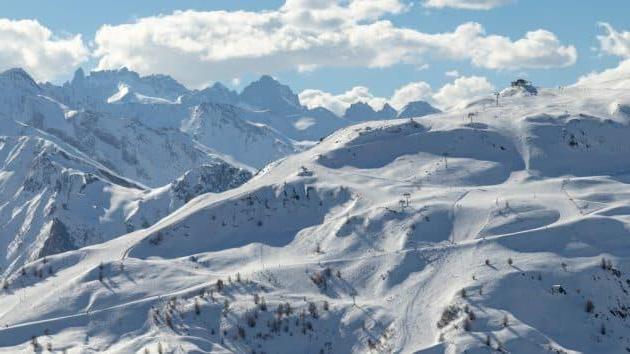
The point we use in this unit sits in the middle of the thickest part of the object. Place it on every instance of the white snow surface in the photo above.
(474, 230)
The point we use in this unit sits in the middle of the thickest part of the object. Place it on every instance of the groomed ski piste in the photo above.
(484, 229)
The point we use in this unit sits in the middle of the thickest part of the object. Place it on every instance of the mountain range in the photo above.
(139, 216)
(106, 153)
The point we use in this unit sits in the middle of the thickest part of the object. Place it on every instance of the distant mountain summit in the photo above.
(268, 93)
(116, 86)
(417, 109)
(217, 93)
(361, 111)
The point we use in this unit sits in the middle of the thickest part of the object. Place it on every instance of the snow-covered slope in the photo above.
(71, 178)
(491, 228)
(54, 201)
(220, 127)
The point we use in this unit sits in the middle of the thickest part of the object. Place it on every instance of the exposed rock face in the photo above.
(208, 179)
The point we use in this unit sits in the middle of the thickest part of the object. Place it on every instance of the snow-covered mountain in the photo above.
(54, 201)
(417, 109)
(361, 112)
(505, 231)
(76, 177)
(265, 109)
(116, 86)
(221, 127)
(275, 105)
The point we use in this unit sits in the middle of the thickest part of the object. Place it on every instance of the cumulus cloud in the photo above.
(462, 90)
(467, 4)
(614, 42)
(614, 78)
(198, 47)
(29, 45)
(539, 49)
(415, 91)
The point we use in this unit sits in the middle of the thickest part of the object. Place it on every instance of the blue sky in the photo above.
(573, 23)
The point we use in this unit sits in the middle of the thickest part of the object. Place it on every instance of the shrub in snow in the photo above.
(558, 289)
(319, 279)
(371, 344)
(312, 309)
(590, 306)
(35, 344)
(606, 264)
(241, 331)
(226, 306)
(169, 320)
(467, 325)
(197, 308)
(327, 272)
(449, 314)
(287, 309)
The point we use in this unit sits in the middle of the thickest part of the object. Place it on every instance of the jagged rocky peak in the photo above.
(387, 112)
(217, 93)
(79, 77)
(361, 111)
(17, 79)
(268, 93)
(417, 109)
(101, 86)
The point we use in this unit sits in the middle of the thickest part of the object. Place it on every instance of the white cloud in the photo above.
(200, 47)
(339, 103)
(614, 78)
(452, 73)
(539, 49)
(415, 91)
(467, 4)
(29, 45)
(614, 42)
(462, 90)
